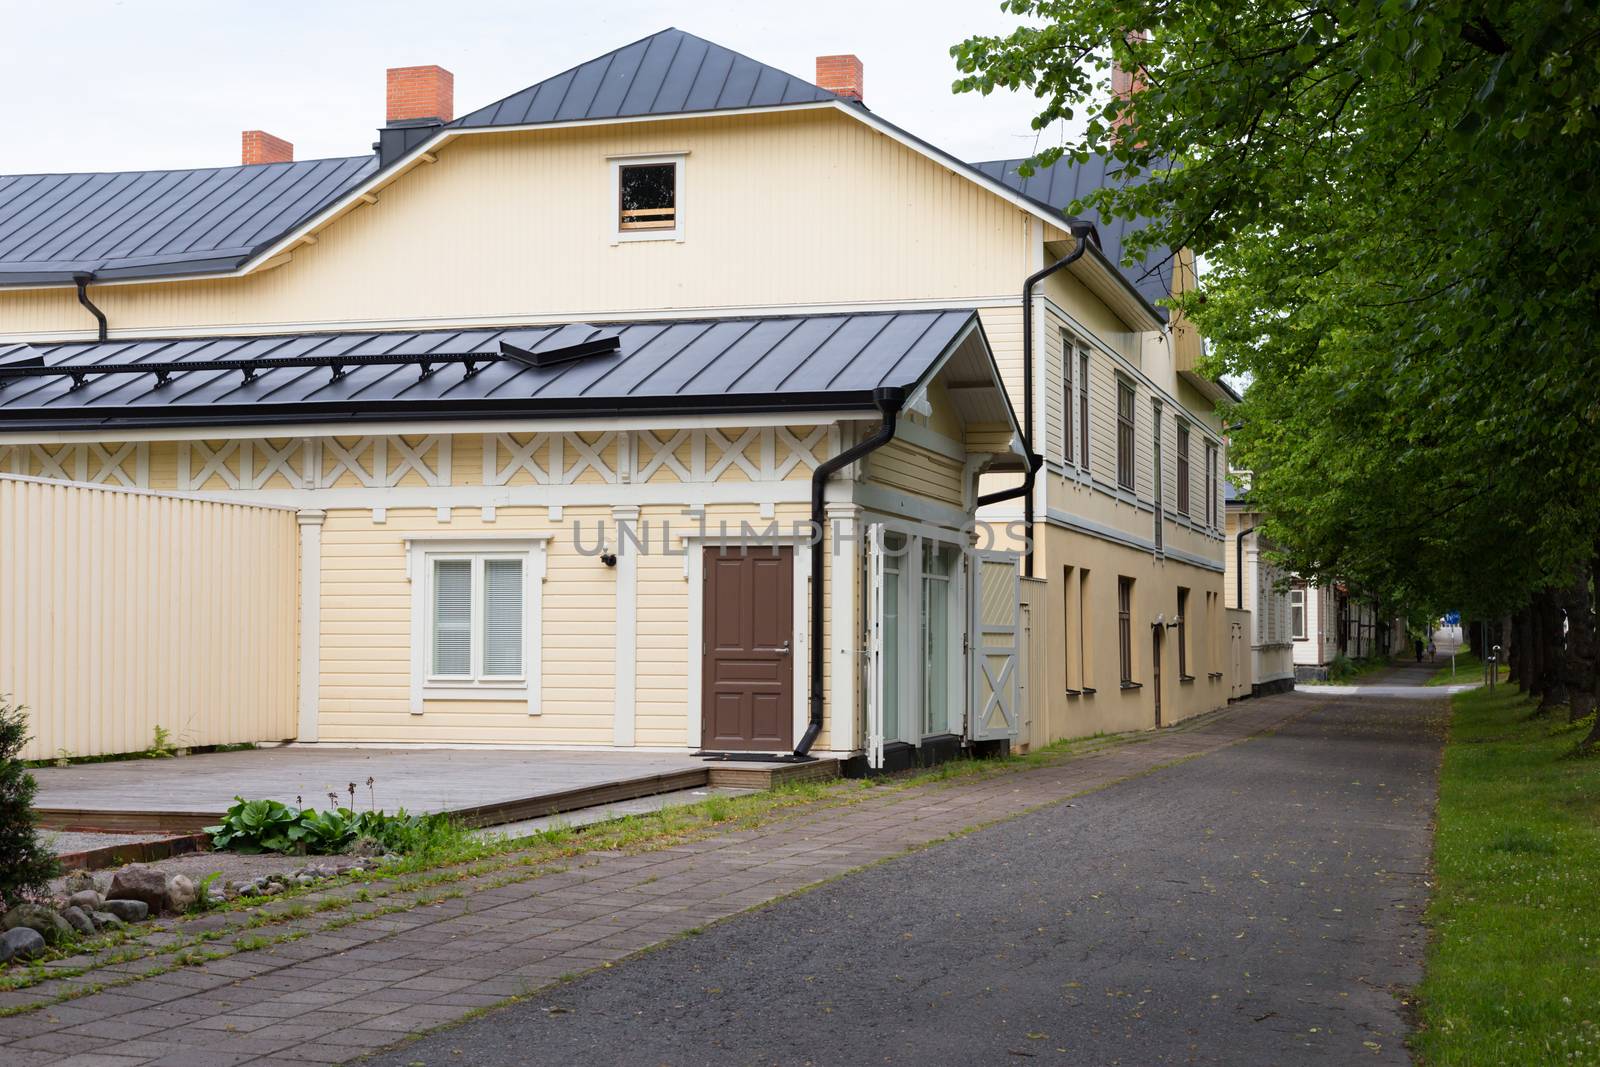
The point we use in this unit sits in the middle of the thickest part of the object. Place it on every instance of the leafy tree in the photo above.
(1394, 200)
(26, 866)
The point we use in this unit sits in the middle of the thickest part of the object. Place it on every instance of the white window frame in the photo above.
(621, 236)
(1297, 599)
(912, 679)
(421, 555)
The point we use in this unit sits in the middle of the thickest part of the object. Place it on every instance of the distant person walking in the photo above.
(1433, 650)
(1417, 644)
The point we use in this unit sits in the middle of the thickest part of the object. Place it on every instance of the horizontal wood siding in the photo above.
(917, 470)
(122, 612)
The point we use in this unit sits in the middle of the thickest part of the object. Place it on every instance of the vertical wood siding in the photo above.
(121, 612)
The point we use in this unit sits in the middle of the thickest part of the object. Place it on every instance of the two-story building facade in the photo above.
(536, 390)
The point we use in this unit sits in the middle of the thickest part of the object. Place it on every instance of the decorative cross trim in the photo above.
(314, 462)
(126, 464)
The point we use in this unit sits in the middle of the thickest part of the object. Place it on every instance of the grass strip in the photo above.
(1513, 966)
(1468, 669)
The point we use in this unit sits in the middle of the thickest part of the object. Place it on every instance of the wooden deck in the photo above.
(484, 787)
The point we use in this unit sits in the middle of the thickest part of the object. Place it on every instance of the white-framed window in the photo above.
(1297, 614)
(475, 620)
(1069, 362)
(647, 198)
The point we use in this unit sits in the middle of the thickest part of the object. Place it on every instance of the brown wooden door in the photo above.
(748, 674)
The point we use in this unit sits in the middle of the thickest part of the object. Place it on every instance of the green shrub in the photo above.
(269, 826)
(26, 865)
(258, 826)
(1341, 668)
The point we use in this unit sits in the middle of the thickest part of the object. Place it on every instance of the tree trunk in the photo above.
(1584, 642)
(1578, 661)
(1553, 656)
(1517, 654)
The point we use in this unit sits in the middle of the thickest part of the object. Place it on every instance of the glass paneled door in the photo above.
(941, 568)
(915, 627)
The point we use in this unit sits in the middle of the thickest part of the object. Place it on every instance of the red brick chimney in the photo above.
(841, 74)
(1124, 83)
(421, 93)
(259, 146)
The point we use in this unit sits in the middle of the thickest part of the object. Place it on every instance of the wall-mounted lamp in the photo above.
(608, 558)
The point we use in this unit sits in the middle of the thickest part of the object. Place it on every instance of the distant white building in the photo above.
(1257, 585)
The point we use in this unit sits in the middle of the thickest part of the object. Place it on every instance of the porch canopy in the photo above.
(756, 364)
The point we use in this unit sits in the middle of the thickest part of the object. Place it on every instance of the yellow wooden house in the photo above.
(543, 445)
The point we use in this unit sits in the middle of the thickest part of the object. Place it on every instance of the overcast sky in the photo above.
(136, 84)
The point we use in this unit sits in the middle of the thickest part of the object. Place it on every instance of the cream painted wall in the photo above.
(1084, 649)
(517, 227)
(125, 611)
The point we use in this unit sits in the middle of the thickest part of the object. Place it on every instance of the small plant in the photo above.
(161, 746)
(327, 832)
(252, 826)
(26, 865)
(203, 899)
(271, 826)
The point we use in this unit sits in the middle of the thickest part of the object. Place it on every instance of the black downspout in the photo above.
(889, 400)
(1081, 233)
(1238, 564)
(82, 281)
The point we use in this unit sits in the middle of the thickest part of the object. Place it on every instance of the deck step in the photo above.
(768, 775)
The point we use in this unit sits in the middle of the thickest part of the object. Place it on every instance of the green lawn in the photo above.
(1469, 668)
(1513, 968)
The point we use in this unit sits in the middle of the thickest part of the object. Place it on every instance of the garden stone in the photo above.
(181, 893)
(78, 880)
(304, 879)
(138, 882)
(129, 911)
(42, 920)
(20, 943)
(78, 920)
(106, 921)
(87, 899)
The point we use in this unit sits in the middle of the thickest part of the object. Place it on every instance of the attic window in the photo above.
(649, 198)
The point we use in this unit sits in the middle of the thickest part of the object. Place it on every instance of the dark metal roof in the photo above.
(666, 73)
(1065, 181)
(768, 364)
(158, 222)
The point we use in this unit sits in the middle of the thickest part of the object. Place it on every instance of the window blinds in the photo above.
(502, 617)
(452, 617)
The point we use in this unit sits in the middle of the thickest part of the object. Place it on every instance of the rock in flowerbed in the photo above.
(20, 943)
(40, 918)
(88, 904)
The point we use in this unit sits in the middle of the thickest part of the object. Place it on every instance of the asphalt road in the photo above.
(1256, 906)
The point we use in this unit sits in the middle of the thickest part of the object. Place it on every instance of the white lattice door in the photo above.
(996, 647)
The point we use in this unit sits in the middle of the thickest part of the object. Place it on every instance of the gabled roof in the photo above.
(667, 73)
(759, 364)
(158, 222)
(1064, 181)
(153, 224)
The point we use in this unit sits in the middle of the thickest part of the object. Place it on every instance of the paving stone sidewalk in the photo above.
(335, 995)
